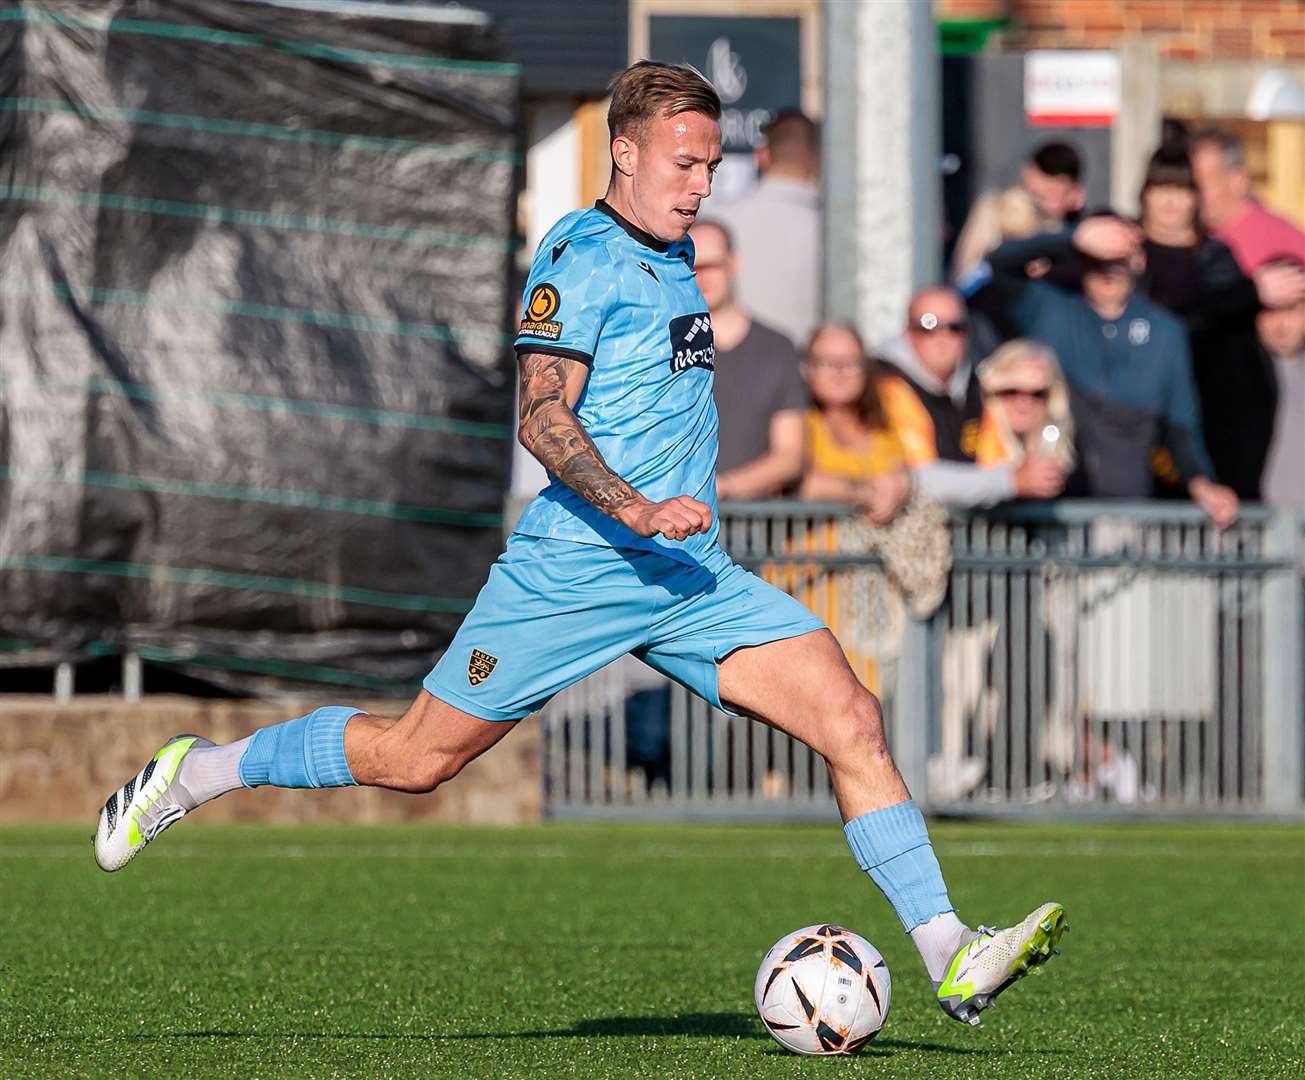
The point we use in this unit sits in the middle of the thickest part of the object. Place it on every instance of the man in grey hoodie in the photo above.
(932, 399)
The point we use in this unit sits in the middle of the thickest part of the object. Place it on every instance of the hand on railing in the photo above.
(1040, 477)
(882, 496)
(1217, 500)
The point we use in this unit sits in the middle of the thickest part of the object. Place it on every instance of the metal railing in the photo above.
(1088, 658)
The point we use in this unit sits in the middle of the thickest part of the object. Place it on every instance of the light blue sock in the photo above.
(303, 753)
(892, 846)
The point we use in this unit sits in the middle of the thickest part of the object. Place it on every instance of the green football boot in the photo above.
(144, 806)
(995, 959)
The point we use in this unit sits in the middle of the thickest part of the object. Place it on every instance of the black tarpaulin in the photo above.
(255, 387)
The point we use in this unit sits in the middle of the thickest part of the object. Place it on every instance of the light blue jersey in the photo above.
(569, 595)
(606, 293)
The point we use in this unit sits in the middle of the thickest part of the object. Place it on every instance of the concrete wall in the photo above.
(60, 762)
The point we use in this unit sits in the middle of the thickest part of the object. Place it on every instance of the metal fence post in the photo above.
(1283, 658)
(910, 722)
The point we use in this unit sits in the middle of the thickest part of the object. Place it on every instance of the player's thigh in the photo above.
(551, 613)
(737, 613)
(803, 686)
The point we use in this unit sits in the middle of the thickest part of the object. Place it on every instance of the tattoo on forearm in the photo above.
(550, 431)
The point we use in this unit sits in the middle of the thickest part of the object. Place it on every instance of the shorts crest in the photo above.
(480, 667)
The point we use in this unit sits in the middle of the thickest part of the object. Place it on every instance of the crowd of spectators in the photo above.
(1073, 353)
(1081, 354)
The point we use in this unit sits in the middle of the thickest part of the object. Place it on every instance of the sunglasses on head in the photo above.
(1042, 393)
(928, 324)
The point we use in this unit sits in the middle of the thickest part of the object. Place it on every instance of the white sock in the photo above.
(937, 941)
(210, 771)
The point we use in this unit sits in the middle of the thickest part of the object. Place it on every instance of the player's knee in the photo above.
(861, 726)
(422, 775)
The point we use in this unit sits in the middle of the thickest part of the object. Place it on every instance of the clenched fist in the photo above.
(676, 519)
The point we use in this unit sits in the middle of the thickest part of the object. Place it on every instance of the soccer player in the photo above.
(620, 554)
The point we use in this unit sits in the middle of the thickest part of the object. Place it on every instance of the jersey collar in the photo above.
(636, 233)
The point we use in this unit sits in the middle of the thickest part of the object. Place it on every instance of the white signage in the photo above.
(1064, 88)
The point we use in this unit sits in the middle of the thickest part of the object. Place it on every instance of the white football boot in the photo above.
(993, 960)
(144, 806)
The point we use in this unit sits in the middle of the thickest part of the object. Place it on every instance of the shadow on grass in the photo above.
(712, 1025)
(729, 1025)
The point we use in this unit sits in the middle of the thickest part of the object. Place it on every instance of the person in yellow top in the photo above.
(852, 453)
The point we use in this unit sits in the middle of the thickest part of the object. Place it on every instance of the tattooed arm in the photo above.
(547, 427)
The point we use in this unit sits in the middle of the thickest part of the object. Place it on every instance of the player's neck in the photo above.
(618, 200)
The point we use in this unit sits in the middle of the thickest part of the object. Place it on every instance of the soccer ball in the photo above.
(823, 990)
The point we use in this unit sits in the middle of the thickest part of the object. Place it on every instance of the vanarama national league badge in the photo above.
(537, 319)
(480, 667)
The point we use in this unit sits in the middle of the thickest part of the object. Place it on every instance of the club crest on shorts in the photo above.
(480, 667)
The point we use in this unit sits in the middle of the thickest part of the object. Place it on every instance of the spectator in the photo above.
(1196, 277)
(852, 454)
(759, 392)
(1048, 197)
(934, 403)
(1026, 407)
(1255, 235)
(776, 227)
(1282, 332)
(1126, 360)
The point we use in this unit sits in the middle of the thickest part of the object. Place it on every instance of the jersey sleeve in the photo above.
(568, 296)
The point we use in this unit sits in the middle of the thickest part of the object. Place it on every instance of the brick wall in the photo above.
(1184, 29)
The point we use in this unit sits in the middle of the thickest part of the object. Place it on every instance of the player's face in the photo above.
(672, 173)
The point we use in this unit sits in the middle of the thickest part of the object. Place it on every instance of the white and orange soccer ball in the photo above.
(823, 990)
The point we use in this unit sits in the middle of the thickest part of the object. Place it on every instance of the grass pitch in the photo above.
(627, 951)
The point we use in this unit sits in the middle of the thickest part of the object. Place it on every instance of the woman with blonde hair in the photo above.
(1026, 407)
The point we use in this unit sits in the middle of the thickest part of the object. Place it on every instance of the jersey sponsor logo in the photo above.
(692, 342)
(480, 667)
(540, 309)
(648, 270)
(559, 248)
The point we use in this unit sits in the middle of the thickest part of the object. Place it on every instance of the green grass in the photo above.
(615, 951)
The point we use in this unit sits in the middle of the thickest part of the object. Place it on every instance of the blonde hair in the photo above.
(649, 89)
(992, 376)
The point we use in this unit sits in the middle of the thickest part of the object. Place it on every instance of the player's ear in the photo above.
(624, 154)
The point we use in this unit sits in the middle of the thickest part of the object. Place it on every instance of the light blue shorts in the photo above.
(554, 611)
